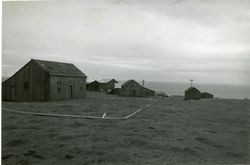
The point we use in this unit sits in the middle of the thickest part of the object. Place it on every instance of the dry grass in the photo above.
(172, 131)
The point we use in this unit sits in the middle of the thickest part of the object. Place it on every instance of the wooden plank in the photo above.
(61, 115)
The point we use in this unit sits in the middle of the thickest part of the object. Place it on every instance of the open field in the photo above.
(171, 131)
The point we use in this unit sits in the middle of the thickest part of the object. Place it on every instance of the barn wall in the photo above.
(196, 95)
(93, 86)
(131, 89)
(30, 83)
(104, 87)
(147, 92)
(62, 88)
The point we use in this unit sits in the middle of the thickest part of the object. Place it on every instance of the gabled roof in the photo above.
(131, 81)
(107, 80)
(60, 69)
(206, 93)
(191, 89)
(89, 80)
(95, 81)
(148, 89)
(128, 82)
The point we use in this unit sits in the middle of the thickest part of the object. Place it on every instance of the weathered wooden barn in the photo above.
(192, 94)
(206, 95)
(40, 80)
(102, 85)
(132, 88)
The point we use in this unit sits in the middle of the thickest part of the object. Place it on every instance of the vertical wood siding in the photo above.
(36, 80)
(61, 88)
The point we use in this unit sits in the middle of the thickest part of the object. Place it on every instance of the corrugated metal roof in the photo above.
(60, 69)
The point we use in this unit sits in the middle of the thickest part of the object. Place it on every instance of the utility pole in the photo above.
(191, 83)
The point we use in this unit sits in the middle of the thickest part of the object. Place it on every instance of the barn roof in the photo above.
(60, 69)
(128, 82)
(107, 80)
(148, 89)
(206, 93)
(191, 89)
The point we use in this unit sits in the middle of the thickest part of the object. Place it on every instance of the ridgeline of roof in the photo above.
(191, 88)
(128, 82)
(206, 93)
(148, 89)
(60, 69)
(107, 80)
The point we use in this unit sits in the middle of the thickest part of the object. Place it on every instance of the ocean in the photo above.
(218, 90)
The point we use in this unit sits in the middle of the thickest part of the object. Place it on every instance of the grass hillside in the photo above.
(171, 131)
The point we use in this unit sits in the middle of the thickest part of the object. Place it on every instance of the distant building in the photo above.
(206, 95)
(192, 94)
(93, 86)
(104, 85)
(133, 89)
(40, 80)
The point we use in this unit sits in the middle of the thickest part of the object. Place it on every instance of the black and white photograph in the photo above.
(125, 82)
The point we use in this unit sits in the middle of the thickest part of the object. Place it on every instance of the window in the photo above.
(81, 88)
(58, 86)
(26, 85)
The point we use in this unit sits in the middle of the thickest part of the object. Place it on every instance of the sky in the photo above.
(161, 40)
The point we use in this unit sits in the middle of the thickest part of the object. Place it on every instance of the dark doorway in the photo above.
(70, 91)
(134, 93)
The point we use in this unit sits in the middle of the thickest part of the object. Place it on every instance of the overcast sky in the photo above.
(158, 40)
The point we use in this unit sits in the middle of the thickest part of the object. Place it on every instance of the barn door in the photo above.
(134, 93)
(70, 91)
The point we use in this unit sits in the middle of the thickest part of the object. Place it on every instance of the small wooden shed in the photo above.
(41, 80)
(192, 94)
(93, 86)
(206, 95)
(104, 85)
(132, 88)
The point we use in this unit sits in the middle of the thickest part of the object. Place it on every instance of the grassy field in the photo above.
(172, 131)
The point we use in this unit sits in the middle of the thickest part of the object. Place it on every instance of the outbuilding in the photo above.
(206, 95)
(104, 85)
(93, 86)
(192, 94)
(132, 88)
(41, 80)
(107, 85)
